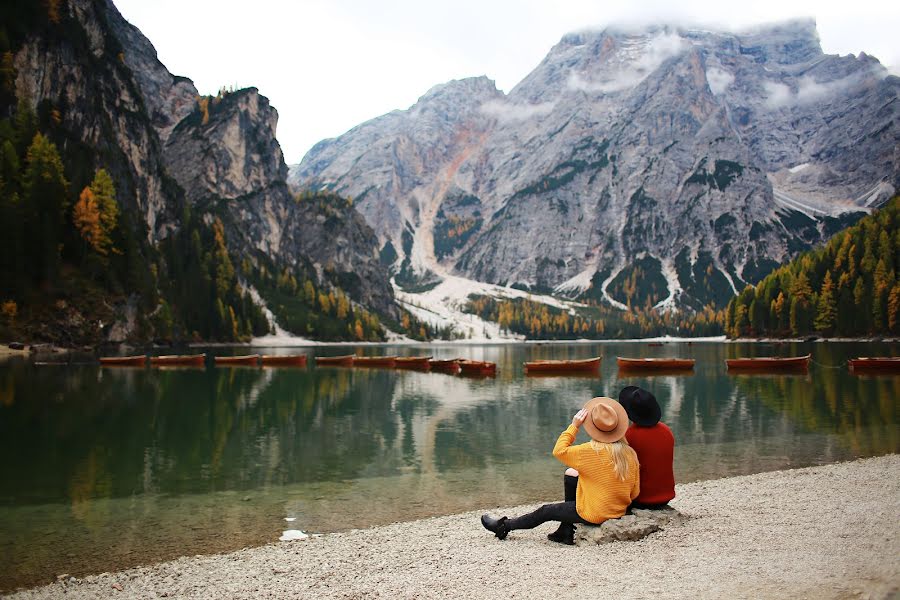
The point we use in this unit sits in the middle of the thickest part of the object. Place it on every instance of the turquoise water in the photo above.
(108, 468)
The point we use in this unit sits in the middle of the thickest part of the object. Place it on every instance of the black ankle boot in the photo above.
(564, 535)
(500, 527)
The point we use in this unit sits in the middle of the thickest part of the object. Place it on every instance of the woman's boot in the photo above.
(500, 527)
(564, 535)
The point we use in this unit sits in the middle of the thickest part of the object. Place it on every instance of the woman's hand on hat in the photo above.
(579, 418)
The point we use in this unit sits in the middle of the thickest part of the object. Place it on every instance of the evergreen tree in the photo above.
(894, 310)
(44, 206)
(801, 295)
(826, 310)
(104, 192)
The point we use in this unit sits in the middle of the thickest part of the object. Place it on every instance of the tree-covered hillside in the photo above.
(101, 241)
(847, 288)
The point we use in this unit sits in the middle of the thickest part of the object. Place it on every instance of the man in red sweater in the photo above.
(655, 446)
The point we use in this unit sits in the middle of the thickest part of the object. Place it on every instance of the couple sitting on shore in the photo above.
(621, 467)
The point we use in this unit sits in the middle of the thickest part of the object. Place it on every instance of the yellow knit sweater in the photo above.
(600, 494)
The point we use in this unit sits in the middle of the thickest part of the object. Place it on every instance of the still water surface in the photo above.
(108, 468)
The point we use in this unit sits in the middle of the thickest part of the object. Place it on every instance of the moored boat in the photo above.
(247, 360)
(178, 360)
(421, 363)
(124, 361)
(283, 360)
(668, 364)
(374, 361)
(445, 365)
(563, 366)
(768, 363)
(875, 363)
(477, 367)
(345, 360)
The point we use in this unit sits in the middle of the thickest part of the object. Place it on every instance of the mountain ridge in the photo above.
(681, 146)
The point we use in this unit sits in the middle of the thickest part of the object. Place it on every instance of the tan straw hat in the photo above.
(606, 420)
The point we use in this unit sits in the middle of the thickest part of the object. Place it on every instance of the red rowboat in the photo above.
(477, 367)
(422, 363)
(655, 363)
(178, 360)
(248, 360)
(562, 366)
(278, 360)
(768, 363)
(335, 361)
(445, 366)
(374, 361)
(874, 363)
(124, 361)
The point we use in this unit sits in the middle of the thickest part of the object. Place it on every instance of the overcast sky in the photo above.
(328, 65)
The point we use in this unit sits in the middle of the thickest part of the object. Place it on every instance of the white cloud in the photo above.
(777, 94)
(810, 91)
(506, 112)
(328, 65)
(658, 50)
(718, 79)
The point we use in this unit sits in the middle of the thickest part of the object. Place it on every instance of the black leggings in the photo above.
(564, 512)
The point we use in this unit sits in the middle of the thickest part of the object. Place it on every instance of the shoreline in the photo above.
(826, 532)
(50, 348)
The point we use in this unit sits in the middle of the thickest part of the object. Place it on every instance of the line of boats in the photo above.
(485, 368)
(199, 360)
(419, 363)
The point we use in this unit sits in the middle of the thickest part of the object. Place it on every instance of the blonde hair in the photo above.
(619, 451)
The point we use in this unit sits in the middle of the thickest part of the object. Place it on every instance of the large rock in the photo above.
(635, 526)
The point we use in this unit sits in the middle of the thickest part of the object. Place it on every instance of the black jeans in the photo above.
(564, 512)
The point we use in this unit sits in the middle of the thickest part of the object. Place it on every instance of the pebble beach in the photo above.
(820, 532)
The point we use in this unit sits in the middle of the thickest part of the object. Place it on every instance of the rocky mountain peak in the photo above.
(169, 98)
(685, 159)
(456, 89)
(226, 146)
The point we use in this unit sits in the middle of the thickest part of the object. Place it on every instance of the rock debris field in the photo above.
(821, 532)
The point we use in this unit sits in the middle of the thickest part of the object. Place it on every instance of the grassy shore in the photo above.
(819, 532)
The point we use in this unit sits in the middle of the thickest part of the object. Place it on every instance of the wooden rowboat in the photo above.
(769, 363)
(655, 363)
(178, 360)
(562, 366)
(421, 363)
(335, 361)
(247, 360)
(374, 361)
(124, 361)
(445, 366)
(874, 363)
(283, 360)
(477, 367)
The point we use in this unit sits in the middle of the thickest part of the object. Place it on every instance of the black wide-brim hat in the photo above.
(641, 406)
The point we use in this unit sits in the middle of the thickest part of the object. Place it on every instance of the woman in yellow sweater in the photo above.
(601, 482)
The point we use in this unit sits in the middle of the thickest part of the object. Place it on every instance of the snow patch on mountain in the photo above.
(443, 305)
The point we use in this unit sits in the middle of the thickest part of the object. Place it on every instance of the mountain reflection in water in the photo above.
(109, 468)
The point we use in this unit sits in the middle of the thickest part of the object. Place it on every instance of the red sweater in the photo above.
(655, 447)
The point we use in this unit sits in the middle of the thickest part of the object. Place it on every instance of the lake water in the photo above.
(106, 468)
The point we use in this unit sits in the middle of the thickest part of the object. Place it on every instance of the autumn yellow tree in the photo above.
(86, 217)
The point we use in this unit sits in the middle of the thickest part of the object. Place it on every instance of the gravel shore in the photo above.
(821, 532)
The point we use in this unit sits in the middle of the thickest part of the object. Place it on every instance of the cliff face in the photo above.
(120, 109)
(694, 159)
(101, 108)
(229, 163)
